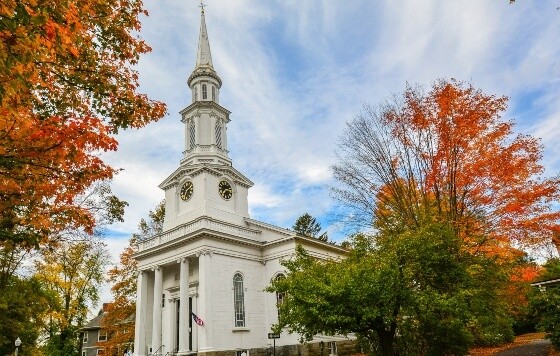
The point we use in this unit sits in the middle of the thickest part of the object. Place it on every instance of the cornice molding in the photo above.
(203, 226)
(270, 227)
(198, 72)
(209, 105)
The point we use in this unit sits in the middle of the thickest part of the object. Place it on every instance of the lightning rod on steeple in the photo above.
(202, 6)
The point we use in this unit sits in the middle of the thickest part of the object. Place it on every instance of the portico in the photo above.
(170, 328)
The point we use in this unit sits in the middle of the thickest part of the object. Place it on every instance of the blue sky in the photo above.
(294, 72)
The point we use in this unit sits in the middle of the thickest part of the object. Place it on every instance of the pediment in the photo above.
(195, 170)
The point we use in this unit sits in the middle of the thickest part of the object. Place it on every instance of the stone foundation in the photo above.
(344, 348)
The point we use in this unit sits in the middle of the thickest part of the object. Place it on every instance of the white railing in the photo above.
(191, 227)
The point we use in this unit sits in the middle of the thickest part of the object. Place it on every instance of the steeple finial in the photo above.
(204, 57)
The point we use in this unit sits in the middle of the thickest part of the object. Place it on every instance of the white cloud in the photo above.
(115, 246)
(294, 72)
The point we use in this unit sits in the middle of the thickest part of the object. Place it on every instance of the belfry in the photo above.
(201, 282)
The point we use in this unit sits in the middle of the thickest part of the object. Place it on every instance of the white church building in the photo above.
(212, 262)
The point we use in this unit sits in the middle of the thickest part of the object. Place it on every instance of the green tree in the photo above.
(73, 272)
(31, 316)
(24, 302)
(417, 285)
(544, 302)
(449, 192)
(307, 225)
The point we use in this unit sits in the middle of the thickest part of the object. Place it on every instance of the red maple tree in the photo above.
(67, 85)
(447, 154)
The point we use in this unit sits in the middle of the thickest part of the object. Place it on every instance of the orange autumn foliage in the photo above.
(447, 155)
(66, 87)
(119, 320)
(519, 287)
(476, 169)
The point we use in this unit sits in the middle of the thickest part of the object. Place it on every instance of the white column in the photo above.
(140, 328)
(156, 329)
(204, 308)
(184, 307)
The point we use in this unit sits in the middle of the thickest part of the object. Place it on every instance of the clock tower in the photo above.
(201, 280)
(205, 184)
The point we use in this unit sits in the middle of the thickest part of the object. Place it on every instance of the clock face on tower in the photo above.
(225, 190)
(187, 191)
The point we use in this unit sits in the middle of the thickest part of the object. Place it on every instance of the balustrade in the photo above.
(191, 227)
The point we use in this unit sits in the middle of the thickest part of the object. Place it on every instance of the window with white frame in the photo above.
(84, 353)
(102, 336)
(85, 337)
(204, 92)
(219, 135)
(332, 348)
(100, 351)
(242, 353)
(239, 300)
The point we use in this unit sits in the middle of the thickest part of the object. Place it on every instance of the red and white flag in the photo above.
(197, 319)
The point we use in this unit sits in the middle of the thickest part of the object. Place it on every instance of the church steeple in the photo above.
(205, 184)
(205, 120)
(204, 81)
(203, 57)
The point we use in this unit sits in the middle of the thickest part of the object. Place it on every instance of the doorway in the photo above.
(177, 318)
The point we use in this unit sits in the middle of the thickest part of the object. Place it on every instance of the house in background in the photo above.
(93, 336)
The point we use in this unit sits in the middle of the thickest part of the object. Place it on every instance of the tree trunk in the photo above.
(386, 342)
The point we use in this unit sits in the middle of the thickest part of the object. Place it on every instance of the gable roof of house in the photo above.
(94, 323)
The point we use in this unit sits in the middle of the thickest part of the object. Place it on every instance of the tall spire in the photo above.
(203, 57)
(204, 69)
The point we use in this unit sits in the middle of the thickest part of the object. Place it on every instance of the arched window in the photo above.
(192, 134)
(219, 135)
(204, 92)
(239, 300)
(213, 93)
(279, 295)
